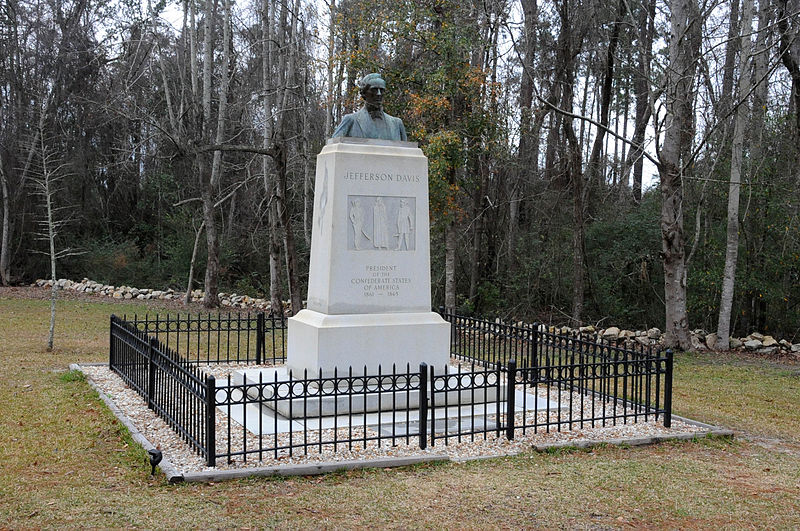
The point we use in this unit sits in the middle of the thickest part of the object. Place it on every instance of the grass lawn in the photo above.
(67, 462)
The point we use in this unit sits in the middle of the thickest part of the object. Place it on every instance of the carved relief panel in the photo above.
(381, 223)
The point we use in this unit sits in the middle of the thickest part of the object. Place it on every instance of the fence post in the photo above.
(211, 421)
(259, 337)
(511, 391)
(152, 346)
(111, 357)
(423, 405)
(533, 363)
(668, 390)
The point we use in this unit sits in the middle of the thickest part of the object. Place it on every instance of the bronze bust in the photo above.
(371, 121)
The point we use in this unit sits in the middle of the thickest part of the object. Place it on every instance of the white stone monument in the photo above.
(369, 287)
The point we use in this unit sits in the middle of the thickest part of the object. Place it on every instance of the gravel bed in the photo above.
(185, 460)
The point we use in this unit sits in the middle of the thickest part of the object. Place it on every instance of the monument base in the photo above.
(361, 400)
(317, 340)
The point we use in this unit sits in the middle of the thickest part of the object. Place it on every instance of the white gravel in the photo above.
(185, 460)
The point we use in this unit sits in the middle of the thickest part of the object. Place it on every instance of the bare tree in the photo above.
(47, 179)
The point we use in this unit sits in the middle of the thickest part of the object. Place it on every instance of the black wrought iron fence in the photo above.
(178, 391)
(593, 381)
(285, 415)
(519, 378)
(219, 337)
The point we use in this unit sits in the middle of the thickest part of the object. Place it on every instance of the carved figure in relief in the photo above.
(357, 219)
(405, 225)
(380, 225)
(371, 121)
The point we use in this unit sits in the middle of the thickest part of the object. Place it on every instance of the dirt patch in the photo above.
(777, 445)
(780, 356)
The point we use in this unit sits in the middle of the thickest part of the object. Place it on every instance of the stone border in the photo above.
(713, 431)
(312, 469)
(173, 476)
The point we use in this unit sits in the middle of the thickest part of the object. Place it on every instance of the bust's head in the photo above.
(372, 86)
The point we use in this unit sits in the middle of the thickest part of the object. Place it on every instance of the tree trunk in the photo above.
(450, 265)
(281, 145)
(211, 287)
(275, 296)
(275, 282)
(641, 87)
(593, 166)
(731, 50)
(5, 254)
(685, 26)
(578, 231)
(527, 152)
(790, 61)
(570, 43)
(732, 245)
(329, 68)
(760, 70)
(477, 232)
(211, 297)
(288, 235)
(45, 185)
(10, 200)
(51, 239)
(187, 298)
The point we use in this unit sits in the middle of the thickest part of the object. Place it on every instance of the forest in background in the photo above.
(167, 142)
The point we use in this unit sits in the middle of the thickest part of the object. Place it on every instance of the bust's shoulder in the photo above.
(343, 129)
(349, 118)
(397, 124)
(391, 118)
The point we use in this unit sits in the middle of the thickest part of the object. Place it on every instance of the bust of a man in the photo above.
(371, 121)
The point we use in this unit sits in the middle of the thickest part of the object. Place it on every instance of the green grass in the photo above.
(753, 395)
(66, 461)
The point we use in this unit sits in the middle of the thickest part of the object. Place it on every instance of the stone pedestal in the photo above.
(369, 289)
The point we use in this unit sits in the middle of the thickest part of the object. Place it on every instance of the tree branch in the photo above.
(599, 126)
(270, 152)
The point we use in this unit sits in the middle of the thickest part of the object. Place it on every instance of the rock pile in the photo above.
(701, 340)
(128, 292)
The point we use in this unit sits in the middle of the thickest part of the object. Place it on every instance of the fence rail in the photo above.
(516, 379)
